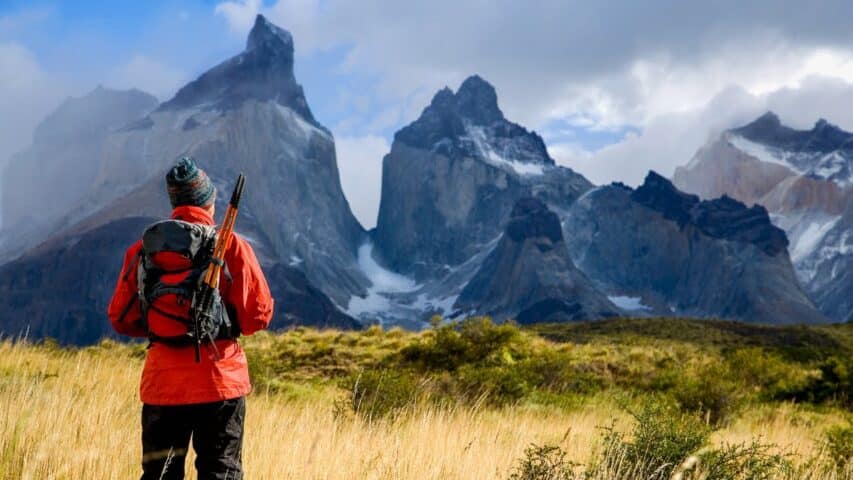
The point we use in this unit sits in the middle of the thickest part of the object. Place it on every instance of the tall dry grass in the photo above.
(75, 415)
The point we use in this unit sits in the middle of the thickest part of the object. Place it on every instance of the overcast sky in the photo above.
(615, 88)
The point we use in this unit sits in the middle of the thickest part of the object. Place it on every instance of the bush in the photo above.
(475, 341)
(547, 462)
(710, 393)
(500, 385)
(748, 462)
(833, 384)
(839, 442)
(375, 394)
(661, 440)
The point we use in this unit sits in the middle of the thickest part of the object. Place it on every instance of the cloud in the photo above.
(28, 94)
(148, 75)
(670, 140)
(360, 165)
(240, 14)
(610, 64)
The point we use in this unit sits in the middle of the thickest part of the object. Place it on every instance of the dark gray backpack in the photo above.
(174, 258)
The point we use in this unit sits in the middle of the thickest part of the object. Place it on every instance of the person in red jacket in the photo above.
(183, 398)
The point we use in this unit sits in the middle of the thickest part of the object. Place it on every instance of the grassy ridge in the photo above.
(710, 367)
(470, 400)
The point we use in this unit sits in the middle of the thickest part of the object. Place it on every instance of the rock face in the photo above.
(699, 258)
(449, 185)
(61, 289)
(453, 176)
(529, 275)
(248, 115)
(803, 177)
(263, 72)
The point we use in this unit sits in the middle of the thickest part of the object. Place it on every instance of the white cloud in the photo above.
(669, 140)
(27, 95)
(360, 165)
(148, 75)
(605, 65)
(239, 14)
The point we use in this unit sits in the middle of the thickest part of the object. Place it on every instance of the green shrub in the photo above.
(764, 372)
(834, 384)
(839, 442)
(473, 341)
(547, 462)
(498, 385)
(374, 394)
(710, 393)
(661, 440)
(555, 372)
(741, 461)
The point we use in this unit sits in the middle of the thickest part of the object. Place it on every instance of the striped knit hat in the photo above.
(189, 185)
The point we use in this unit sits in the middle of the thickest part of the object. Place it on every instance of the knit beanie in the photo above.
(189, 185)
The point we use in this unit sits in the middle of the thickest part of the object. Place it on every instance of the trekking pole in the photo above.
(203, 308)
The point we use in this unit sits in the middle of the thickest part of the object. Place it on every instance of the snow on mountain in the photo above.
(502, 159)
(763, 153)
(805, 179)
(631, 304)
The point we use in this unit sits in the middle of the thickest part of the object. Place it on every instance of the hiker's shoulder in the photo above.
(239, 245)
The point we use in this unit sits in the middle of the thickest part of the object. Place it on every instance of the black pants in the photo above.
(217, 435)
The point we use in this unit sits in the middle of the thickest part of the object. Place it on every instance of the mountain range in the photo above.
(805, 180)
(475, 216)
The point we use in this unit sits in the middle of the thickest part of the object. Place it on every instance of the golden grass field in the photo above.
(74, 414)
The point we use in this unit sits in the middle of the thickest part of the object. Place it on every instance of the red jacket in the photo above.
(171, 375)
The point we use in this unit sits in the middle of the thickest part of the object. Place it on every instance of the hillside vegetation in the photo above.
(648, 398)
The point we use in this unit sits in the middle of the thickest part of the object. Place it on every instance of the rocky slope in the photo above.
(679, 255)
(529, 275)
(249, 115)
(803, 177)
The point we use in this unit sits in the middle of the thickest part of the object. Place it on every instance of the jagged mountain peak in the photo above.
(266, 35)
(824, 152)
(469, 123)
(477, 100)
(262, 72)
(769, 130)
(766, 128)
(660, 194)
(768, 119)
(723, 217)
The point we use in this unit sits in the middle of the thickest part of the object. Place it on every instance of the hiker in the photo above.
(183, 397)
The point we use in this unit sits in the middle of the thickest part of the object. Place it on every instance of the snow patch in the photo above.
(761, 152)
(383, 281)
(478, 136)
(301, 124)
(443, 305)
(628, 303)
(809, 238)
